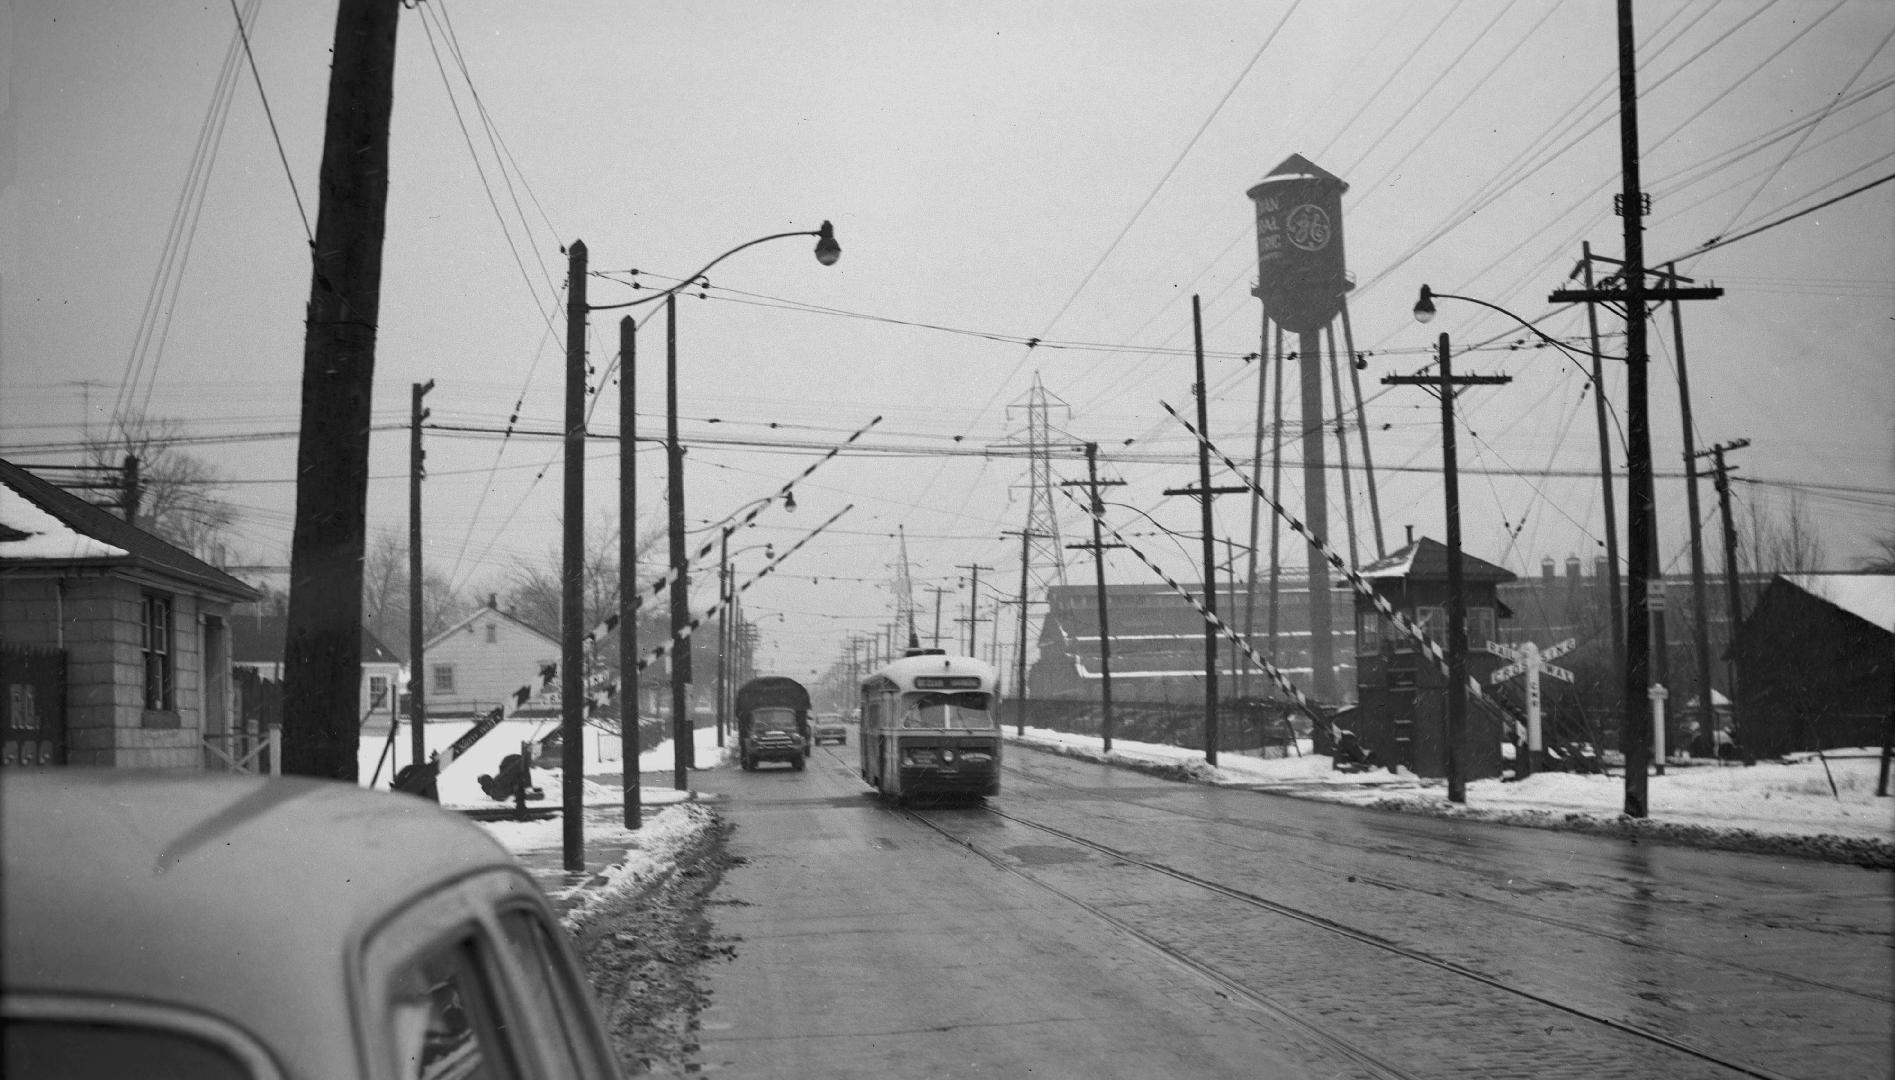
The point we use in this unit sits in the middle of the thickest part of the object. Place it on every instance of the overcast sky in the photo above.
(996, 172)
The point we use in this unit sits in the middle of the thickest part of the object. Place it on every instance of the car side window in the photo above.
(557, 1002)
(445, 1021)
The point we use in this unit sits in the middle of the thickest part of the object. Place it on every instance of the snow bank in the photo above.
(1784, 807)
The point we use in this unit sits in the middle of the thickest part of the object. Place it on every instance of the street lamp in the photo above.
(726, 601)
(827, 252)
(1444, 382)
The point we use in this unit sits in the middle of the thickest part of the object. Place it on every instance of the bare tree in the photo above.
(1781, 544)
(175, 496)
(1883, 561)
(385, 593)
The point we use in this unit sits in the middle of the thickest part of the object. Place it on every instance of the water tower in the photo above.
(1302, 281)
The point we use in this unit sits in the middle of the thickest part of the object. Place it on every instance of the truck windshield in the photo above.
(774, 719)
(962, 710)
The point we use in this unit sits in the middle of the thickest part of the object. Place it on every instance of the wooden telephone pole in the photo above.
(1097, 547)
(322, 661)
(1456, 691)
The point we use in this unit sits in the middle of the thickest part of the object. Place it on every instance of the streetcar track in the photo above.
(1327, 1038)
(1468, 897)
(1309, 918)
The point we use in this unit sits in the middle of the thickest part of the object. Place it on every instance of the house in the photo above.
(115, 645)
(256, 646)
(479, 662)
(1813, 663)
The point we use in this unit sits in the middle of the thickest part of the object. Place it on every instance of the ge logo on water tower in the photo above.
(1308, 227)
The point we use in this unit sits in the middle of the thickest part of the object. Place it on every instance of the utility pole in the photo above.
(1444, 383)
(1027, 536)
(628, 568)
(1734, 597)
(417, 666)
(1635, 732)
(129, 492)
(1701, 636)
(322, 651)
(1205, 493)
(572, 673)
(682, 745)
(973, 619)
(1615, 605)
(1097, 547)
(937, 590)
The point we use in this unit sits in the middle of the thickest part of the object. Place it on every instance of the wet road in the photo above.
(1095, 922)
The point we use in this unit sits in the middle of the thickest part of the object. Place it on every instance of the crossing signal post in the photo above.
(1530, 660)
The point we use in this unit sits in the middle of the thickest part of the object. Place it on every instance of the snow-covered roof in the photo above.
(1870, 597)
(28, 532)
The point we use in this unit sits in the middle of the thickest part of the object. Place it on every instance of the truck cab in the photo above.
(773, 722)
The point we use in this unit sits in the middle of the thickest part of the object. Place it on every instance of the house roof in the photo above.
(490, 609)
(257, 638)
(1428, 559)
(42, 524)
(1869, 597)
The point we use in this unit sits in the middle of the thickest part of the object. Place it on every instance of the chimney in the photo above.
(1599, 568)
(1572, 569)
(1411, 535)
(493, 601)
(1546, 568)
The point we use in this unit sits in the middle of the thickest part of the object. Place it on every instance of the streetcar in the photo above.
(930, 729)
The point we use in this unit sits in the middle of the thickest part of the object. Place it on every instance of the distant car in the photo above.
(246, 928)
(830, 728)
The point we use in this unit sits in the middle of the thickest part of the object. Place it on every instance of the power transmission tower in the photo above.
(904, 586)
(1046, 557)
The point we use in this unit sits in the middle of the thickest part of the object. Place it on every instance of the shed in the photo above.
(1401, 714)
(1813, 663)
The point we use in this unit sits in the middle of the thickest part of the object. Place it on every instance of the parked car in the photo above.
(246, 928)
(830, 728)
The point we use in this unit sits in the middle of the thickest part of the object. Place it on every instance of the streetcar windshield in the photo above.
(774, 719)
(947, 710)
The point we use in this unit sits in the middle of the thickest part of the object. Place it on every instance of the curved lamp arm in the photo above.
(827, 252)
(1424, 312)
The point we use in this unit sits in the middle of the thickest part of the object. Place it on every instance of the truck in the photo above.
(773, 722)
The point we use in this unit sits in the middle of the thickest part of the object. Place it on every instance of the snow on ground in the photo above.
(648, 851)
(1781, 806)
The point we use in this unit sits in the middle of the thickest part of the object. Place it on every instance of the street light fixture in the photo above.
(827, 252)
(1444, 382)
(726, 621)
(572, 709)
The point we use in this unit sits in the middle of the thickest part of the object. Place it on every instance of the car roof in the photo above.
(240, 896)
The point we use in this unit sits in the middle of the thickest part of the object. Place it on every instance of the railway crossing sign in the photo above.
(1531, 660)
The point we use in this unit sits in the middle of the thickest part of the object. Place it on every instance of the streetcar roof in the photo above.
(903, 672)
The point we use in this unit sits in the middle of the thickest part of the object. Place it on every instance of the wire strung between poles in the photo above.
(1428, 645)
(1282, 681)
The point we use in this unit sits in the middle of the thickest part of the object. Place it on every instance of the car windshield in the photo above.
(774, 719)
(943, 710)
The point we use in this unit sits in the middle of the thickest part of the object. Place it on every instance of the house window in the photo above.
(155, 642)
(493, 634)
(444, 678)
(377, 690)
